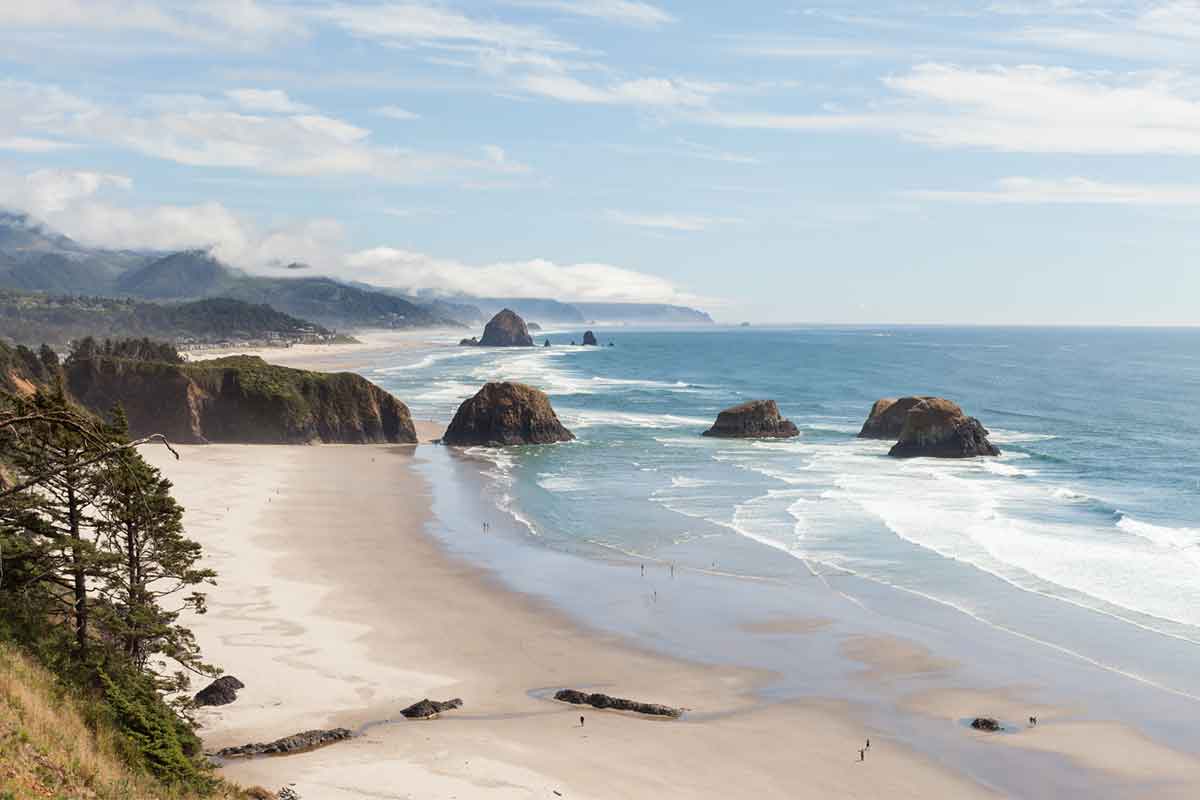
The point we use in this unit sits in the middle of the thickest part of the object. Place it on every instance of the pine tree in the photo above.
(154, 563)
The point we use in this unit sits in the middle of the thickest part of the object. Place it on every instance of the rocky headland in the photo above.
(506, 414)
(938, 428)
(756, 419)
(240, 399)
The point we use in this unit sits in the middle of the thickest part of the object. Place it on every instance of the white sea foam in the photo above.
(577, 418)
(1177, 538)
(558, 482)
(1001, 436)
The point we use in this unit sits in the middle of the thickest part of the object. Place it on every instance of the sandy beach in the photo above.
(336, 608)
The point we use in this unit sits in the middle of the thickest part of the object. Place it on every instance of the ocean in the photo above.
(1080, 543)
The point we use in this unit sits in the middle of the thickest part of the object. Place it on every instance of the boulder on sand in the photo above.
(296, 743)
(597, 700)
(506, 329)
(503, 414)
(589, 339)
(938, 428)
(220, 692)
(986, 724)
(886, 419)
(425, 709)
(757, 419)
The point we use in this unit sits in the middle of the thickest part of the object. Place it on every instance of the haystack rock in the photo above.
(506, 329)
(886, 419)
(504, 414)
(757, 419)
(938, 428)
(589, 339)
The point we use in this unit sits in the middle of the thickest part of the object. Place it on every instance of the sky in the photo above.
(1005, 162)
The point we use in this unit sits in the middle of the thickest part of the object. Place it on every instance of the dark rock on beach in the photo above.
(986, 724)
(937, 428)
(220, 692)
(506, 329)
(472, 342)
(589, 339)
(424, 709)
(546, 343)
(757, 419)
(602, 701)
(297, 742)
(506, 414)
(887, 416)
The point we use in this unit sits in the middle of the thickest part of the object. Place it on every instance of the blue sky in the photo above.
(1032, 161)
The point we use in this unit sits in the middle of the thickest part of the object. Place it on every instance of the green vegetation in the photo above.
(95, 570)
(29, 318)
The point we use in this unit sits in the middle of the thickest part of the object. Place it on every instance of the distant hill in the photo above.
(35, 258)
(192, 273)
(644, 313)
(35, 318)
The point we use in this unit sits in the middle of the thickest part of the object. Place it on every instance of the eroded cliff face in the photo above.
(241, 400)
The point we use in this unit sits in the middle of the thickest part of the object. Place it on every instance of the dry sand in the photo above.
(336, 608)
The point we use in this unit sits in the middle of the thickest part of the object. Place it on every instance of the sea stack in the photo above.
(589, 339)
(757, 419)
(506, 329)
(887, 416)
(506, 414)
(937, 428)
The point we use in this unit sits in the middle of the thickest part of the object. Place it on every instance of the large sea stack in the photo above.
(506, 329)
(938, 428)
(589, 339)
(504, 414)
(240, 399)
(887, 416)
(757, 419)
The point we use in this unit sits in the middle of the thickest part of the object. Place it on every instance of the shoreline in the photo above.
(346, 612)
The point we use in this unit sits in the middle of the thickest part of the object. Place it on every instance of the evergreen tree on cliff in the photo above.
(140, 526)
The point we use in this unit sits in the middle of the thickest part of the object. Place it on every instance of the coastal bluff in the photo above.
(506, 329)
(506, 414)
(938, 428)
(239, 399)
(756, 419)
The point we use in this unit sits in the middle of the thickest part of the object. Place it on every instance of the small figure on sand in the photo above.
(868, 744)
(862, 755)
(643, 570)
(581, 720)
(672, 569)
(1032, 721)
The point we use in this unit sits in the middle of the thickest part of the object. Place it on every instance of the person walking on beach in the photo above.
(581, 720)
(862, 755)
(643, 570)
(868, 744)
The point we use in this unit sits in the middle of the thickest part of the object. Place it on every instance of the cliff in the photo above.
(240, 399)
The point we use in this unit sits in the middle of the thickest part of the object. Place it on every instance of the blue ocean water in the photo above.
(1091, 513)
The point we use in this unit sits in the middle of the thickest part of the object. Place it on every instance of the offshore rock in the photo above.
(589, 339)
(472, 342)
(887, 416)
(505, 414)
(986, 724)
(425, 709)
(938, 428)
(220, 692)
(757, 419)
(297, 742)
(506, 329)
(597, 700)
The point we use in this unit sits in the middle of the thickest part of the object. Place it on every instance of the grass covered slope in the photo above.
(239, 399)
(55, 743)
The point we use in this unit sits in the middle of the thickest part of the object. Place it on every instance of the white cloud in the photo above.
(227, 23)
(645, 92)
(203, 134)
(417, 24)
(673, 222)
(627, 12)
(1068, 191)
(268, 100)
(1030, 109)
(416, 272)
(395, 112)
